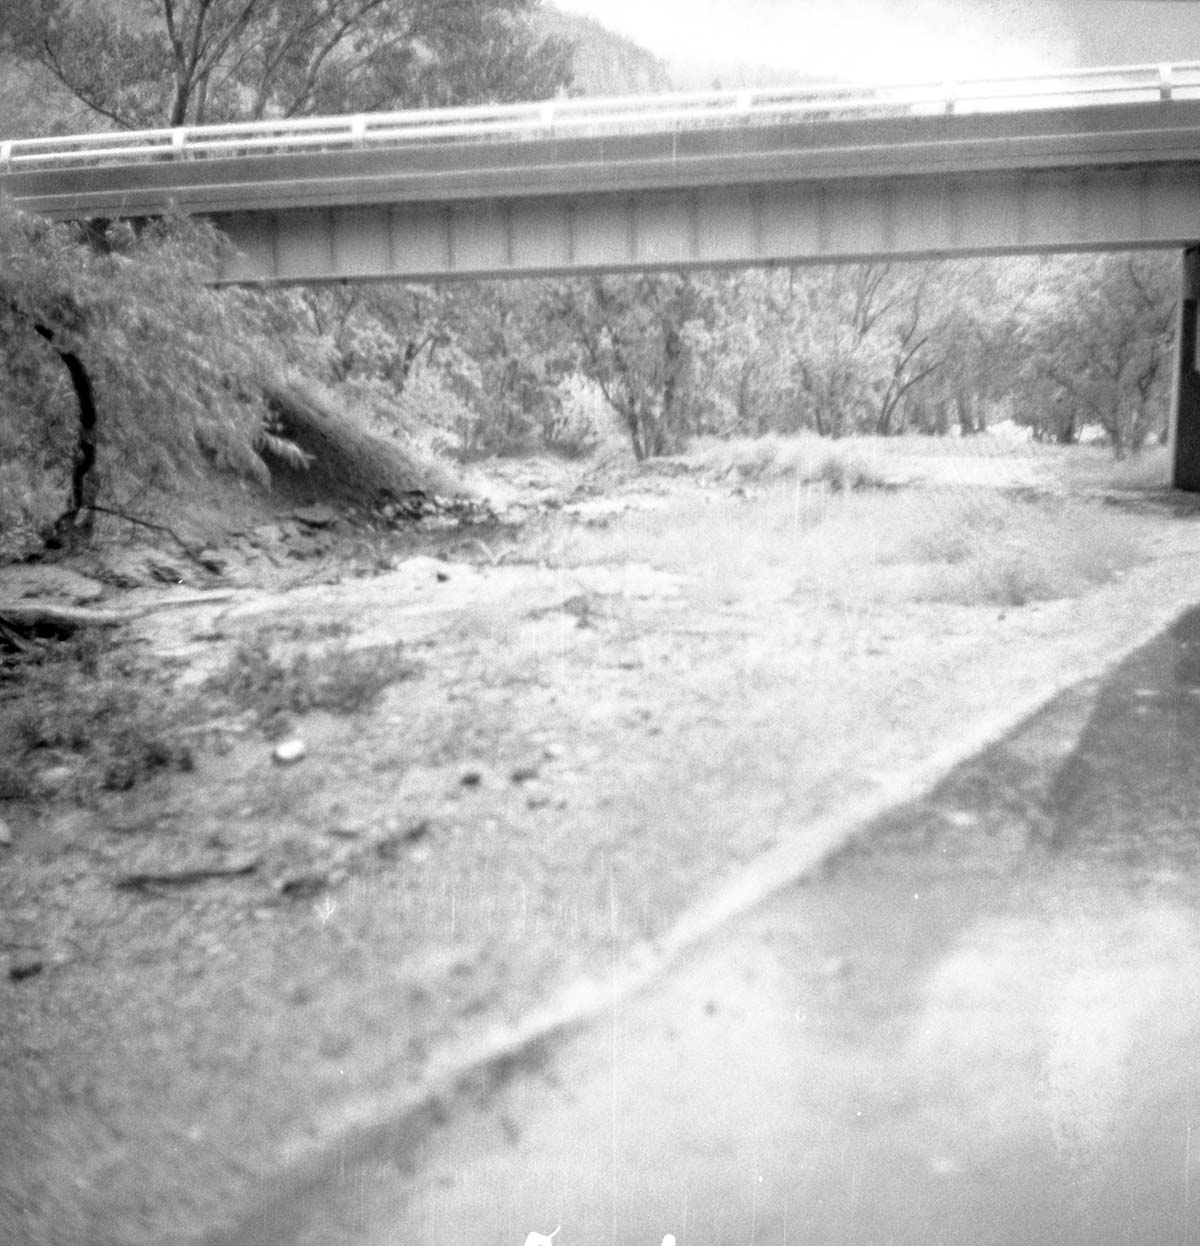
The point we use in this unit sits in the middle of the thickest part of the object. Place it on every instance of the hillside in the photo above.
(754, 42)
(605, 63)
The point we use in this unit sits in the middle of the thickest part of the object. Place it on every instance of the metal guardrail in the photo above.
(618, 115)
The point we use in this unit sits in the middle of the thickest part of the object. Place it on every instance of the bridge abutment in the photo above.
(1185, 397)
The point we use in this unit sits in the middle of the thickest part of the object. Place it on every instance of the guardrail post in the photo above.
(178, 143)
(5, 154)
(1166, 82)
(1185, 396)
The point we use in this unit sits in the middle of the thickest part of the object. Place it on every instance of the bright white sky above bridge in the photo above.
(898, 39)
(841, 38)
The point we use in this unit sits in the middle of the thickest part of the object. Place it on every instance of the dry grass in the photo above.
(848, 464)
(347, 460)
(86, 718)
(1095, 467)
(807, 457)
(89, 717)
(1008, 551)
(274, 685)
(975, 546)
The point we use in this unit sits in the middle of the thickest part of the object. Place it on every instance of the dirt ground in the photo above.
(225, 971)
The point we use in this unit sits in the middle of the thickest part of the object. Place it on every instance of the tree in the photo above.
(1093, 335)
(747, 365)
(155, 62)
(962, 368)
(485, 358)
(142, 63)
(505, 359)
(860, 345)
(636, 337)
(122, 341)
(836, 349)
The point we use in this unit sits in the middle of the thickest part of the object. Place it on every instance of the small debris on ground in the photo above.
(288, 752)
(212, 562)
(319, 515)
(149, 880)
(395, 842)
(304, 886)
(165, 572)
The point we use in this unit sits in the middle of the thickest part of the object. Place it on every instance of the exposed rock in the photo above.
(55, 780)
(303, 886)
(298, 993)
(288, 752)
(165, 572)
(318, 515)
(213, 562)
(397, 842)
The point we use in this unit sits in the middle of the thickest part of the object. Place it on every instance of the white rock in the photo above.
(288, 752)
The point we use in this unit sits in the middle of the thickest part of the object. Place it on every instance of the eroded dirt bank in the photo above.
(238, 963)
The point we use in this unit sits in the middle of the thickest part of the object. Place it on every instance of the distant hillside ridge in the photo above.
(605, 63)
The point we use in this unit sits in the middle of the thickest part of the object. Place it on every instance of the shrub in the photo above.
(847, 471)
(90, 714)
(121, 367)
(989, 549)
(274, 687)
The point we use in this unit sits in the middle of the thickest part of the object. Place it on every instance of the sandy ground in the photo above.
(584, 763)
(977, 1023)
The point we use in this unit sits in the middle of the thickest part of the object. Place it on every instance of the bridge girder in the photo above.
(1011, 212)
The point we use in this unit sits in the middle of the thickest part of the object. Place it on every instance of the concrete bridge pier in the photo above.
(1185, 398)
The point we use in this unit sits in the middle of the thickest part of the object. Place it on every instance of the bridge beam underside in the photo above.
(856, 219)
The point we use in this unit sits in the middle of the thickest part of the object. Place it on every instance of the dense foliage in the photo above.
(1067, 346)
(120, 369)
(141, 63)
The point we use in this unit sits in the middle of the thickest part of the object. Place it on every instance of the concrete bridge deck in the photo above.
(1102, 159)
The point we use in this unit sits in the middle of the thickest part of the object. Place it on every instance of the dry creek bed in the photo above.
(220, 972)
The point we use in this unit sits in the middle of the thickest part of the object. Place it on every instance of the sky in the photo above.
(893, 39)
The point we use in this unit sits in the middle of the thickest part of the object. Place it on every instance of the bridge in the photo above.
(1104, 158)
(1100, 159)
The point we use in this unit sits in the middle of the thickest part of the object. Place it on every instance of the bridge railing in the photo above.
(618, 115)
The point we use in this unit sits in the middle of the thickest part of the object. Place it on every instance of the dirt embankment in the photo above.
(521, 751)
